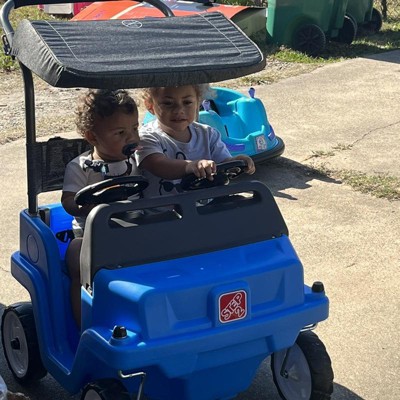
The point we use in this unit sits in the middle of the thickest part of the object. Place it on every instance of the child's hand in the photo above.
(68, 202)
(251, 168)
(201, 168)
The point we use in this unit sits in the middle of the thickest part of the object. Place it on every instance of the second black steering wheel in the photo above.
(225, 172)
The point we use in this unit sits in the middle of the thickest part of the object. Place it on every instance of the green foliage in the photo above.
(380, 186)
(286, 54)
(7, 64)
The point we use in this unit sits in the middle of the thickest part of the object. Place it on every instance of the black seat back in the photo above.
(51, 158)
(233, 220)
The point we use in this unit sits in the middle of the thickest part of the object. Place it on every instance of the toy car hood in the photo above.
(130, 9)
(132, 53)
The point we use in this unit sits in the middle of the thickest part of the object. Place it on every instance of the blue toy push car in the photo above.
(168, 312)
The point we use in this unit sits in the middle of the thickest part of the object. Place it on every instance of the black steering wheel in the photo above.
(113, 189)
(225, 172)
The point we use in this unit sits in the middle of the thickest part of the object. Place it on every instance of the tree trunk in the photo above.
(384, 8)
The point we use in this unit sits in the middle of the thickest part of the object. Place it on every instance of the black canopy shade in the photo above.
(168, 51)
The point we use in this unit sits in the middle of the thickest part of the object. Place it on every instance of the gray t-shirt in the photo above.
(78, 175)
(205, 144)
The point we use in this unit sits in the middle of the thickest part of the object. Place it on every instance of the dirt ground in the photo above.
(55, 107)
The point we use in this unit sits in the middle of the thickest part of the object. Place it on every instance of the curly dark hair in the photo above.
(101, 103)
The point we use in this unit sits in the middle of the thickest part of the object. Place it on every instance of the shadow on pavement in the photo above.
(389, 56)
(342, 393)
(282, 173)
(263, 387)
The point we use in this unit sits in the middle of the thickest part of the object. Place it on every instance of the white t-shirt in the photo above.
(205, 144)
(78, 175)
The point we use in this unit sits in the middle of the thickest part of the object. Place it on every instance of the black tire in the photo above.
(20, 343)
(348, 32)
(105, 389)
(375, 24)
(309, 39)
(308, 372)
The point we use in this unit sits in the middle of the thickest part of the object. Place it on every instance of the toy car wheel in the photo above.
(309, 39)
(20, 343)
(105, 389)
(375, 24)
(348, 32)
(303, 371)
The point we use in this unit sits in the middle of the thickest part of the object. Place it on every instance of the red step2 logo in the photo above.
(232, 306)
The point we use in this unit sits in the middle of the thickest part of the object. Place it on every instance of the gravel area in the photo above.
(55, 107)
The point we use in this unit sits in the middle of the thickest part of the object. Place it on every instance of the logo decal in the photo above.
(261, 143)
(132, 24)
(232, 306)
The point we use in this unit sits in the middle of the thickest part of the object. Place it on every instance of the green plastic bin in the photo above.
(364, 14)
(338, 15)
(360, 10)
(304, 25)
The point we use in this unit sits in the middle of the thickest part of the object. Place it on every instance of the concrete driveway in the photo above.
(344, 116)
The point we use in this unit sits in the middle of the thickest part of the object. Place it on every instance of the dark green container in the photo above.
(360, 10)
(304, 25)
(364, 14)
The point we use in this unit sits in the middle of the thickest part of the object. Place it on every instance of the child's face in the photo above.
(175, 108)
(111, 134)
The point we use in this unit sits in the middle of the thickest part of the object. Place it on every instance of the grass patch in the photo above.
(329, 153)
(321, 153)
(342, 147)
(286, 54)
(380, 186)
